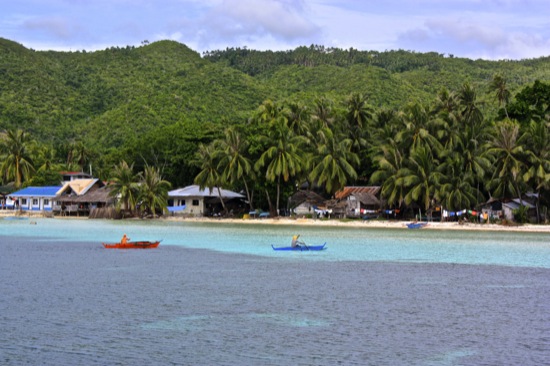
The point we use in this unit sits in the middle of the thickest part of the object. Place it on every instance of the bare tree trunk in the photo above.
(221, 200)
(269, 201)
(248, 196)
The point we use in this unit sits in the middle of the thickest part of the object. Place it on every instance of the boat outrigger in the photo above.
(302, 248)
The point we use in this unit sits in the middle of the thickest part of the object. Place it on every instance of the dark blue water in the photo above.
(75, 303)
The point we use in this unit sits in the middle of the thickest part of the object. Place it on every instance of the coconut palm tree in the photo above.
(417, 127)
(153, 191)
(498, 84)
(283, 157)
(389, 172)
(457, 189)
(323, 112)
(17, 165)
(234, 163)
(210, 176)
(358, 115)
(508, 160)
(421, 177)
(124, 186)
(469, 109)
(536, 140)
(333, 165)
(298, 117)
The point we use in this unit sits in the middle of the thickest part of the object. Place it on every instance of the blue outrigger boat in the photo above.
(417, 225)
(302, 248)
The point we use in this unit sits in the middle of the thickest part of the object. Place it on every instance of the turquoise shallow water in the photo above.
(217, 294)
(344, 244)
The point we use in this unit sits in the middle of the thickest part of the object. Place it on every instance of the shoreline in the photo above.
(362, 224)
(367, 224)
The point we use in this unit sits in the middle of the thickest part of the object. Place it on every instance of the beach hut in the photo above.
(360, 200)
(192, 200)
(79, 197)
(306, 202)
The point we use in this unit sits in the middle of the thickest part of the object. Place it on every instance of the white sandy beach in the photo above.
(366, 224)
(384, 224)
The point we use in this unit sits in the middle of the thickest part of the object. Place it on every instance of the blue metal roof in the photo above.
(50, 191)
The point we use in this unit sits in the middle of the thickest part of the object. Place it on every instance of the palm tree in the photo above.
(323, 112)
(153, 191)
(209, 176)
(508, 154)
(469, 110)
(283, 157)
(81, 154)
(17, 164)
(358, 115)
(389, 173)
(333, 165)
(537, 147)
(417, 125)
(456, 190)
(298, 117)
(235, 164)
(421, 177)
(498, 84)
(124, 186)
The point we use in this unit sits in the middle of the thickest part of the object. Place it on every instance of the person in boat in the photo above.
(124, 239)
(295, 242)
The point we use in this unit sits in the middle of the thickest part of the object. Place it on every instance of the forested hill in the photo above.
(390, 78)
(156, 102)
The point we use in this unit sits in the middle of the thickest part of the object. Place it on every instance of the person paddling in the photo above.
(124, 239)
(295, 242)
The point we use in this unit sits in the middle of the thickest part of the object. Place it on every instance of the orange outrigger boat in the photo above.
(133, 245)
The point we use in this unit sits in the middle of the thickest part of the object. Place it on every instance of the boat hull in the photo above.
(302, 248)
(132, 245)
(417, 225)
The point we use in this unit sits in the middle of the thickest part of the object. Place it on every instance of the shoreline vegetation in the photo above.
(350, 223)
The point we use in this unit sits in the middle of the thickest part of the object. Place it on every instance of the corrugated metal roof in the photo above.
(351, 190)
(195, 191)
(49, 191)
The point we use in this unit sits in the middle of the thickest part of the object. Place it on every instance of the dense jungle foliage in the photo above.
(430, 129)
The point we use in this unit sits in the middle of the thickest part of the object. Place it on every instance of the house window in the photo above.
(23, 201)
(46, 202)
(35, 201)
(182, 202)
(195, 202)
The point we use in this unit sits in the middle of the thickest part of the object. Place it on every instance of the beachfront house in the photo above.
(194, 201)
(504, 209)
(33, 198)
(80, 196)
(360, 201)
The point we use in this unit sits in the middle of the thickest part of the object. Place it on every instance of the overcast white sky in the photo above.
(488, 29)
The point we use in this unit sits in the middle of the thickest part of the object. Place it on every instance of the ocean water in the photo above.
(217, 294)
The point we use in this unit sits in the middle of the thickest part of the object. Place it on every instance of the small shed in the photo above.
(360, 200)
(305, 202)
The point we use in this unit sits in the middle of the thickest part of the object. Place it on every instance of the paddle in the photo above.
(305, 245)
